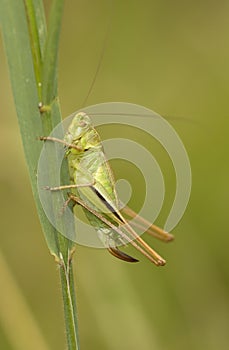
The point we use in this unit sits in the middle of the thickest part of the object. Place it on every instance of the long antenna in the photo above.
(101, 56)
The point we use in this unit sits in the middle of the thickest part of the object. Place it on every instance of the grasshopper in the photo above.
(93, 187)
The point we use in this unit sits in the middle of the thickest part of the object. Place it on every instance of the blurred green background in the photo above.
(171, 57)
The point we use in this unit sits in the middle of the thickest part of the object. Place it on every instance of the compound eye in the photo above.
(82, 124)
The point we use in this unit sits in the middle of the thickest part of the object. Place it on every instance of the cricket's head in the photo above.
(81, 133)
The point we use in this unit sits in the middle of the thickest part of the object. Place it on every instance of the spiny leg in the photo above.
(65, 187)
(54, 139)
(139, 244)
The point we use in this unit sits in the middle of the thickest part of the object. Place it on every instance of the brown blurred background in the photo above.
(171, 57)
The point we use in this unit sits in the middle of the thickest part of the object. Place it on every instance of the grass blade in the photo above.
(32, 60)
(23, 82)
(49, 70)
